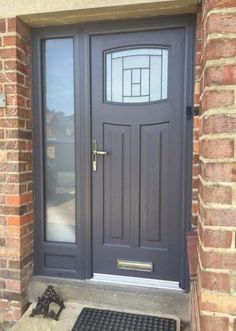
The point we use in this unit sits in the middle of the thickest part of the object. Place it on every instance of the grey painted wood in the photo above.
(50, 257)
(117, 184)
(144, 166)
(153, 184)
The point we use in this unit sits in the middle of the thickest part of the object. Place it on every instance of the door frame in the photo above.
(82, 34)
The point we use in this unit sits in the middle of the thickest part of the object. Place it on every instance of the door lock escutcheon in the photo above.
(95, 152)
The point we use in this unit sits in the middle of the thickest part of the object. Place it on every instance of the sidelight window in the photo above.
(59, 160)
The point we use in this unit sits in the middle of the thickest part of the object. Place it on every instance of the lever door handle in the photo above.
(100, 153)
(95, 152)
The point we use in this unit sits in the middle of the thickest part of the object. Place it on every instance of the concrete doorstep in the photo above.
(124, 298)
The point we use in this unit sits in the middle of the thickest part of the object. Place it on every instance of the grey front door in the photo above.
(137, 94)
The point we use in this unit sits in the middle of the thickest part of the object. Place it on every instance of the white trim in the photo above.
(147, 282)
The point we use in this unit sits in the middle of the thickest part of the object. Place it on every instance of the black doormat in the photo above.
(91, 319)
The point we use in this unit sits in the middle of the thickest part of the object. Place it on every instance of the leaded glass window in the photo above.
(137, 75)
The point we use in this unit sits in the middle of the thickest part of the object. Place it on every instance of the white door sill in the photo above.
(136, 281)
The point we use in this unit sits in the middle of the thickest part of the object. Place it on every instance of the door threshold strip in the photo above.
(136, 281)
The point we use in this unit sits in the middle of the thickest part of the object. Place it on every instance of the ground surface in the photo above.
(78, 294)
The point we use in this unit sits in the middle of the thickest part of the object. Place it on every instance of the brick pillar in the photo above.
(217, 189)
(16, 233)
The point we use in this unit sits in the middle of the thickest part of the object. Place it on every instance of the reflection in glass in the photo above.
(137, 75)
(59, 139)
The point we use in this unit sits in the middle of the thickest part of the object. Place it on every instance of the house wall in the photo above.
(16, 218)
(214, 296)
(214, 171)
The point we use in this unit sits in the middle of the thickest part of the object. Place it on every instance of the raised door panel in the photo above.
(153, 184)
(117, 184)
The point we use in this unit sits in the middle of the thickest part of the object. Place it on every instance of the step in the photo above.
(150, 299)
(78, 294)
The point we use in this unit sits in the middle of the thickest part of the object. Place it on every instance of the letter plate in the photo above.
(134, 265)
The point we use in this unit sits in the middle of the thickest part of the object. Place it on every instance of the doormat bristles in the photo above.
(91, 319)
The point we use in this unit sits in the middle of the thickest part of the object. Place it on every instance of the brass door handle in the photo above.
(95, 152)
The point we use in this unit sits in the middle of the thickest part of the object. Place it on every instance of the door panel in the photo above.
(153, 184)
(136, 188)
(117, 185)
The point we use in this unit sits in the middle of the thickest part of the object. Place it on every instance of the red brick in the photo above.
(216, 194)
(13, 285)
(2, 199)
(217, 99)
(9, 40)
(221, 172)
(194, 207)
(2, 25)
(195, 170)
(9, 123)
(221, 23)
(221, 75)
(195, 183)
(13, 200)
(10, 65)
(16, 100)
(217, 303)
(218, 260)
(216, 238)
(224, 123)
(25, 33)
(218, 4)
(217, 148)
(19, 220)
(220, 48)
(214, 323)
(11, 25)
(8, 53)
(220, 217)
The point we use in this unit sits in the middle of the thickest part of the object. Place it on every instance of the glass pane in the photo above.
(127, 82)
(164, 73)
(116, 71)
(137, 75)
(59, 140)
(145, 81)
(137, 61)
(155, 80)
(136, 79)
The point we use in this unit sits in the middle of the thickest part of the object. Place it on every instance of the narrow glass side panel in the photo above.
(58, 87)
(136, 75)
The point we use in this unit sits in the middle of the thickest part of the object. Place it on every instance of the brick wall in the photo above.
(195, 181)
(217, 187)
(15, 169)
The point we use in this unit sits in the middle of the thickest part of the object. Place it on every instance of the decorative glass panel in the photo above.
(58, 80)
(137, 75)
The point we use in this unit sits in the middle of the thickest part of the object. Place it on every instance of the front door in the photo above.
(112, 149)
(137, 93)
